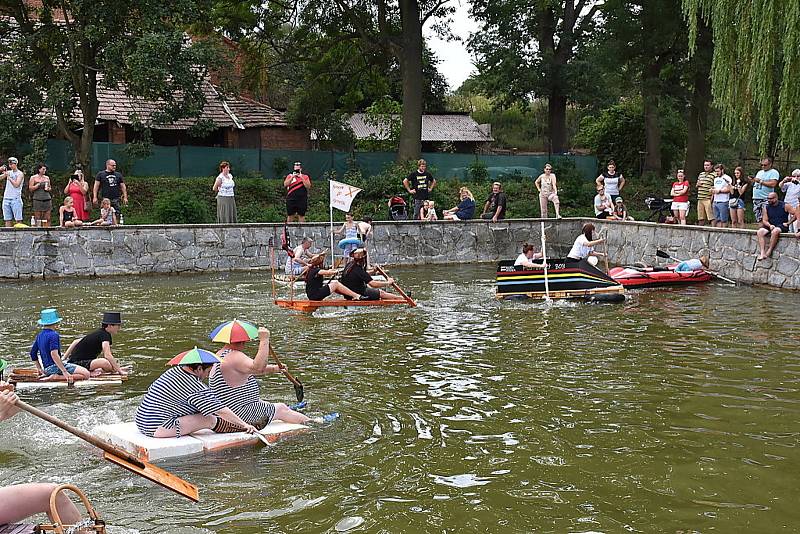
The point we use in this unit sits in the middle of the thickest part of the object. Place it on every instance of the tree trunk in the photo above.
(555, 58)
(697, 121)
(557, 122)
(652, 128)
(410, 59)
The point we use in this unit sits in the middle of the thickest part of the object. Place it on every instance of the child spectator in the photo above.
(428, 211)
(620, 211)
(46, 350)
(680, 197)
(67, 216)
(108, 215)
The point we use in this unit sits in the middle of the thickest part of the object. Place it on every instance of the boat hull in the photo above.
(564, 280)
(632, 277)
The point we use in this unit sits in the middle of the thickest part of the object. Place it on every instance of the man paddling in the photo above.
(356, 278)
(316, 289)
(93, 351)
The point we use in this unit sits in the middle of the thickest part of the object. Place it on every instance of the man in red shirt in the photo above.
(297, 185)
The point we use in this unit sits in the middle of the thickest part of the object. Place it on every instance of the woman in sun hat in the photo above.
(46, 351)
(233, 380)
(179, 403)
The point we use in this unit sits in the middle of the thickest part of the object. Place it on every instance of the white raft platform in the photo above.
(126, 436)
(54, 384)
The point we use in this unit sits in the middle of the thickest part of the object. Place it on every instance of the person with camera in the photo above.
(763, 184)
(790, 185)
(297, 185)
(110, 184)
(42, 198)
(736, 202)
(77, 187)
(12, 194)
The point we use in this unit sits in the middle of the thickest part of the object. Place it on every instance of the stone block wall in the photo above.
(105, 251)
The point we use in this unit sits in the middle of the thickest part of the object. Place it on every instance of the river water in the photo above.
(678, 411)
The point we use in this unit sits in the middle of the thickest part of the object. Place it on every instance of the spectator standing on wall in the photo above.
(110, 184)
(495, 206)
(419, 183)
(42, 197)
(705, 182)
(736, 203)
(763, 184)
(547, 185)
(77, 187)
(612, 181)
(226, 202)
(297, 185)
(791, 186)
(12, 194)
(722, 194)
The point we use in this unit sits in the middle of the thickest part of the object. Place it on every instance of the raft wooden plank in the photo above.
(311, 305)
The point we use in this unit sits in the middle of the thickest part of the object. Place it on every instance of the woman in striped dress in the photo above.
(233, 381)
(179, 403)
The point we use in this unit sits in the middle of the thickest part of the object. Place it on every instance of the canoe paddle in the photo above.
(122, 458)
(665, 255)
(396, 287)
(298, 386)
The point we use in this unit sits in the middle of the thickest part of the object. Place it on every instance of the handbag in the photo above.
(733, 203)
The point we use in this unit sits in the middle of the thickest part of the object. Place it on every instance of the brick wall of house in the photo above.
(285, 138)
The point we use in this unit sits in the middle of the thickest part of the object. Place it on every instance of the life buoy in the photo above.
(350, 241)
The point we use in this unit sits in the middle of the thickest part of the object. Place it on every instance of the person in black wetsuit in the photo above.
(314, 277)
(356, 278)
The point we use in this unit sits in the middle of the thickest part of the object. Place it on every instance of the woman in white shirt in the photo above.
(583, 247)
(524, 259)
(791, 186)
(223, 186)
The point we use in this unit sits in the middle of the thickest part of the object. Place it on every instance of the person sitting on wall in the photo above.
(524, 259)
(774, 221)
(356, 278)
(495, 206)
(465, 209)
(603, 206)
(93, 351)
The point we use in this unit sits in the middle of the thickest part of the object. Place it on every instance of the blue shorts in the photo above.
(739, 204)
(721, 212)
(54, 370)
(12, 209)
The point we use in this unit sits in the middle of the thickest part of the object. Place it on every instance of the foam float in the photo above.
(127, 437)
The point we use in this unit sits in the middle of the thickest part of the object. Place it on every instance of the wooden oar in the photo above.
(396, 287)
(122, 458)
(665, 255)
(298, 386)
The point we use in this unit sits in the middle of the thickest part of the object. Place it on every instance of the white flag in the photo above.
(342, 195)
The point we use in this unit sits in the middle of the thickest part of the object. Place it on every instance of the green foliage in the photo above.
(180, 207)
(281, 167)
(37, 154)
(385, 115)
(478, 171)
(618, 133)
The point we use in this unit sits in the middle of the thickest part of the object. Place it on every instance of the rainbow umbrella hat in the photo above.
(195, 355)
(234, 331)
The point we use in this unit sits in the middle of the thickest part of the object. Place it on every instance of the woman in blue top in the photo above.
(46, 351)
(465, 209)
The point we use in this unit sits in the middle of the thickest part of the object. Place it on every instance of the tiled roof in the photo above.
(453, 127)
(223, 112)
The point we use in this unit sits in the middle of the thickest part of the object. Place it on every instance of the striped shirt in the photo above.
(174, 394)
(242, 400)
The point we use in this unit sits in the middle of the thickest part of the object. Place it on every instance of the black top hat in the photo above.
(112, 318)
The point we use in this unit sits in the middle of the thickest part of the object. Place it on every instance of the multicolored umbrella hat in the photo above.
(193, 356)
(234, 331)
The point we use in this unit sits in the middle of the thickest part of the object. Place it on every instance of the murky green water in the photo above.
(678, 411)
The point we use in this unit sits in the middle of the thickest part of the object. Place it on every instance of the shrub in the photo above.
(181, 207)
(478, 171)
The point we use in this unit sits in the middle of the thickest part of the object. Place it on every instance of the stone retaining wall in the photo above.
(104, 251)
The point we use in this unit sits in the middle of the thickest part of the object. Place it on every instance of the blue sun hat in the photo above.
(48, 317)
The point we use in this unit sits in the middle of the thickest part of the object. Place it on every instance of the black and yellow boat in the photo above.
(562, 279)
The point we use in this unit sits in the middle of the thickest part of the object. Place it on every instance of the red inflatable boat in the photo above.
(632, 277)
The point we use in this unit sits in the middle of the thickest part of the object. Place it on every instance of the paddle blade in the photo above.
(662, 254)
(298, 391)
(159, 476)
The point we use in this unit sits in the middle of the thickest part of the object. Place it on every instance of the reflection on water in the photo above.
(676, 411)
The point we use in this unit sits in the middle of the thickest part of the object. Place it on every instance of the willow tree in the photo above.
(755, 62)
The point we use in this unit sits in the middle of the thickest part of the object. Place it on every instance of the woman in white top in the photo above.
(548, 191)
(583, 247)
(223, 186)
(524, 259)
(612, 181)
(791, 186)
(603, 205)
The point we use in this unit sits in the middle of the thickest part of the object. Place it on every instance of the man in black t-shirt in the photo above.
(110, 184)
(356, 278)
(419, 183)
(93, 351)
(316, 289)
(495, 207)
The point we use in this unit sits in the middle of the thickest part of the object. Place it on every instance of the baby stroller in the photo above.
(398, 209)
(660, 208)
